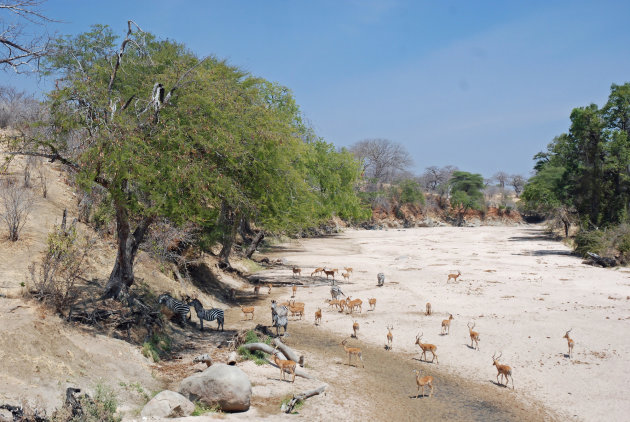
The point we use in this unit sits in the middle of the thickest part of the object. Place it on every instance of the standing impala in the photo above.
(474, 336)
(287, 366)
(390, 337)
(446, 325)
(569, 341)
(426, 347)
(352, 351)
(503, 370)
(422, 381)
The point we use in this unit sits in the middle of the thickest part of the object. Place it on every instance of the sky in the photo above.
(481, 85)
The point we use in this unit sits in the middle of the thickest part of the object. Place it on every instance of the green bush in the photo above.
(201, 409)
(158, 345)
(101, 408)
(612, 242)
(257, 356)
(591, 241)
(411, 192)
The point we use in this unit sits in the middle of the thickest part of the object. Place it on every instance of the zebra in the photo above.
(179, 308)
(279, 317)
(335, 291)
(208, 314)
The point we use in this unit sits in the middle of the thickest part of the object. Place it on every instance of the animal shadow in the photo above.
(421, 360)
(497, 384)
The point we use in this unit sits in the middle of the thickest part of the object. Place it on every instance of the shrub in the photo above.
(612, 242)
(157, 346)
(409, 192)
(55, 278)
(101, 408)
(17, 203)
(201, 409)
(590, 241)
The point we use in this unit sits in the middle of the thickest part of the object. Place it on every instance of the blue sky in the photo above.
(482, 85)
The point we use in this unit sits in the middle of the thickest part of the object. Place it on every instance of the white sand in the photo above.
(522, 291)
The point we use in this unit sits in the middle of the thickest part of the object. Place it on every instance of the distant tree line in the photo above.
(388, 182)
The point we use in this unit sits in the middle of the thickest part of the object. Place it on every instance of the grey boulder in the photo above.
(168, 404)
(220, 384)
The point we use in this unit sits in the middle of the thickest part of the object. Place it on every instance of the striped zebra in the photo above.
(279, 317)
(335, 292)
(208, 314)
(179, 308)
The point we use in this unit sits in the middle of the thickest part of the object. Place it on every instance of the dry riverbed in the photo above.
(522, 290)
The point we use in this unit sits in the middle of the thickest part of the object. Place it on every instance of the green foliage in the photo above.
(101, 407)
(217, 139)
(157, 346)
(612, 242)
(259, 357)
(333, 176)
(591, 241)
(466, 191)
(298, 404)
(202, 409)
(407, 191)
(103, 216)
(544, 192)
(585, 171)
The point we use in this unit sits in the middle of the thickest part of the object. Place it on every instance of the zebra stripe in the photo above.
(208, 314)
(179, 308)
(279, 317)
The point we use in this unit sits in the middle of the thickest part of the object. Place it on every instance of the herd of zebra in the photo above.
(279, 314)
(182, 308)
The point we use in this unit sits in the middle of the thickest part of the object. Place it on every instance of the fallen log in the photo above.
(602, 261)
(286, 350)
(288, 407)
(268, 349)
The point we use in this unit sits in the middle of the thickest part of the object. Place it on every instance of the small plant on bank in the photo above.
(259, 357)
(298, 404)
(201, 409)
(102, 407)
(158, 345)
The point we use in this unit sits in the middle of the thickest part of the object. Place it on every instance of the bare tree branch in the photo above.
(17, 50)
(119, 56)
(382, 159)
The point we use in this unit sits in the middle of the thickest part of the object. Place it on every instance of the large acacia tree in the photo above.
(164, 134)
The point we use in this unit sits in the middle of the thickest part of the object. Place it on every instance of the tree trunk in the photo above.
(245, 230)
(121, 277)
(229, 222)
(254, 245)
